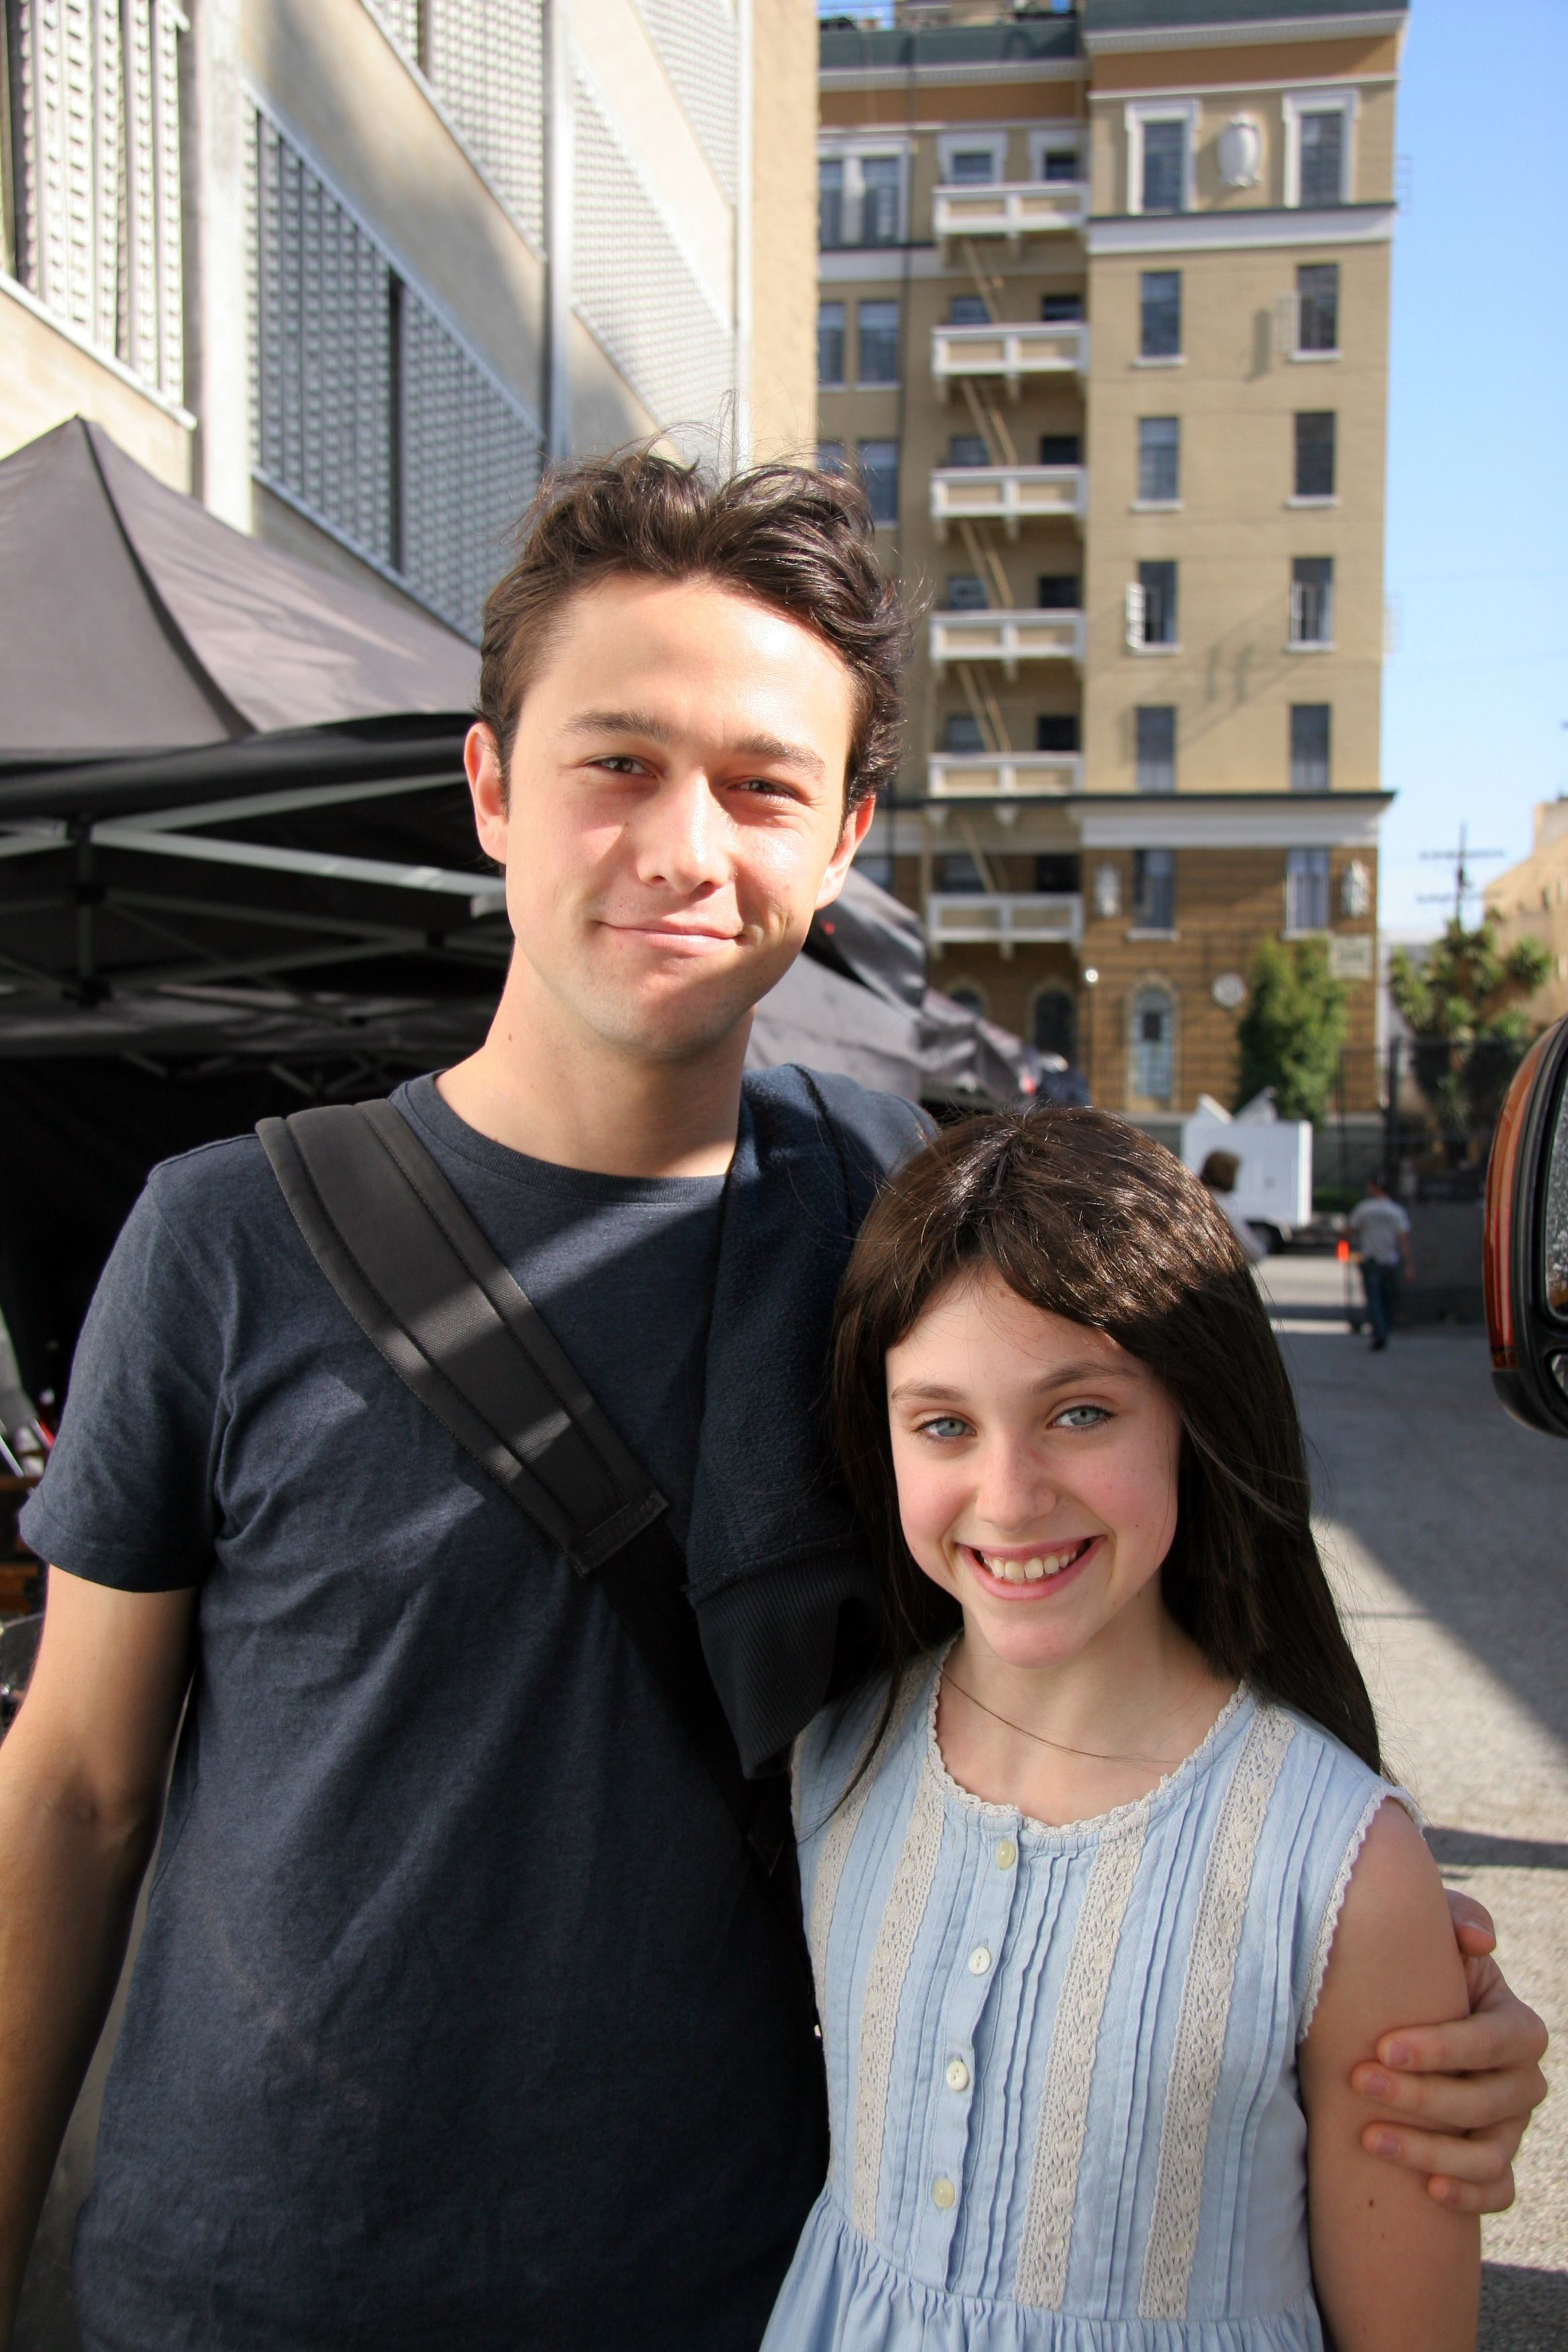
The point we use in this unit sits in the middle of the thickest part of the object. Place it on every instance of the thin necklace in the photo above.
(1092, 1755)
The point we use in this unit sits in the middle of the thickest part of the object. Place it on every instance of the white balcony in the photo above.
(1002, 776)
(1017, 352)
(1007, 637)
(1010, 495)
(1011, 209)
(1003, 919)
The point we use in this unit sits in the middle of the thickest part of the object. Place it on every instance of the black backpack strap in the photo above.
(427, 1288)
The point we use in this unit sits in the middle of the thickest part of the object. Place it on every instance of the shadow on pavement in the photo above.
(1462, 1508)
(1522, 2311)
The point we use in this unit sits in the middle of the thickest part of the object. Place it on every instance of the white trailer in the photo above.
(1274, 1182)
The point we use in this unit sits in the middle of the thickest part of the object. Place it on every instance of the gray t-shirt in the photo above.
(1378, 1227)
(459, 2019)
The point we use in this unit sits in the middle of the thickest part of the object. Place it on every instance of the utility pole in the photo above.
(1459, 859)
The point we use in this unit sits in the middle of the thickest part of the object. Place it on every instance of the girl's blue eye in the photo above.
(945, 1424)
(1082, 1416)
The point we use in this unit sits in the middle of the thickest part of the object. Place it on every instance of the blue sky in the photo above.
(1476, 695)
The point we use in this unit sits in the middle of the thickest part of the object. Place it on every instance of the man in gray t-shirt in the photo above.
(1381, 1231)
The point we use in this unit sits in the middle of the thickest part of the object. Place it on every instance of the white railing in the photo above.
(1007, 637)
(1010, 495)
(1003, 775)
(1011, 208)
(1004, 920)
(1013, 351)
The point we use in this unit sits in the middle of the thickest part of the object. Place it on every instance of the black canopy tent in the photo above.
(238, 869)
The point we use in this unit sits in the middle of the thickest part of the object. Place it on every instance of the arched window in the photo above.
(1153, 1045)
(1056, 1023)
(970, 994)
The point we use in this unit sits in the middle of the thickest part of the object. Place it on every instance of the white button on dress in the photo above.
(942, 2192)
(957, 2074)
(1006, 1854)
(979, 1961)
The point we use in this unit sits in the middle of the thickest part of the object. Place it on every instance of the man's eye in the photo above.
(1081, 1416)
(945, 1424)
(619, 764)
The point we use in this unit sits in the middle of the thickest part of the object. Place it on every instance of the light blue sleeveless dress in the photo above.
(1061, 2063)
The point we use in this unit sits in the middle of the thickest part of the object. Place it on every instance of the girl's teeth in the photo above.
(1029, 1571)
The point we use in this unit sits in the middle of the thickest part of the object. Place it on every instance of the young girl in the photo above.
(1105, 1894)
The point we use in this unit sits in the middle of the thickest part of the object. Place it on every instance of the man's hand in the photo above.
(1469, 2088)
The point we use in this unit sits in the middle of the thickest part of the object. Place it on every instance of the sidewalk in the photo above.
(1443, 1524)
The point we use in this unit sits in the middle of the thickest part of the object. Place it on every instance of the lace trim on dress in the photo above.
(1070, 2067)
(900, 1924)
(1205, 2015)
(838, 1836)
(1337, 1892)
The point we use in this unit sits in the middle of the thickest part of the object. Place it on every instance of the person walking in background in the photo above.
(1380, 1231)
(1219, 1172)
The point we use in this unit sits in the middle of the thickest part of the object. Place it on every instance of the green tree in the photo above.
(1294, 1025)
(1465, 1003)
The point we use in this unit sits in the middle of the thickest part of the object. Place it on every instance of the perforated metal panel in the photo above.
(470, 464)
(486, 61)
(366, 409)
(401, 18)
(697, 44)
(321, 350)
(636, 290)
(95, 110)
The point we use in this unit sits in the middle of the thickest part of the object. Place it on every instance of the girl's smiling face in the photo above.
(1037, 1468)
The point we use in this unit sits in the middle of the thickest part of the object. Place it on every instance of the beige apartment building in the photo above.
(1529, 901)
(1103, 320)
(348, 269)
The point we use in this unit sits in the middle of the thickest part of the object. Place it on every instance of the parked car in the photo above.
(1527, 1240)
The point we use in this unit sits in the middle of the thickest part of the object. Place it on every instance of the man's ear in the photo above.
(857, 825)
(487, 783)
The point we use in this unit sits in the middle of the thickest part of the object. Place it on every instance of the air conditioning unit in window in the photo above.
(1137, 615)
(1287, 325)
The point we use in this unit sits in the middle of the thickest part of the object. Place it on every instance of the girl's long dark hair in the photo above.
(1084, 1215)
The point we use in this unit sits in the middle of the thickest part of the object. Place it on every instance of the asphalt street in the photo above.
(1446, 1529)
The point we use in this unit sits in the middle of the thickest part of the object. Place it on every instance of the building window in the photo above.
(1318, 146)
(1318, 306)
(1155, 724)
(831, 223)
(1059, 592)
(1059, 873)
(966, 593)
(958, 872)
(1057, 731)
(968, 310)
(1053, 1019)
(1161, 321)
(971, 167)
(970, 995)
(1312, 600)
(1058, 164)
(877, 360)
(1060, 449)
(830, 342)
(1151, 607)
(1154, 889)
(1306, 889)
(879, 472)
(830, 457)
(961, 733)
(967, 449)
(1059, 310)
(1323, 140)
(1315, 453)
(1154, 1045)
(879, 201)
(1159, 460)
(1163, 181)
(1309, 747)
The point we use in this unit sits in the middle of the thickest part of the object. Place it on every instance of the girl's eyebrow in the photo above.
(1063, 1376)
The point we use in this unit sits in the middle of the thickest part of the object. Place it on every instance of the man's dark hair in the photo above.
(801, 542)
(1081, 1214)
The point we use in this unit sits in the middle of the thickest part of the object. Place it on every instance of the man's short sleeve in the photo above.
(126, 1498)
